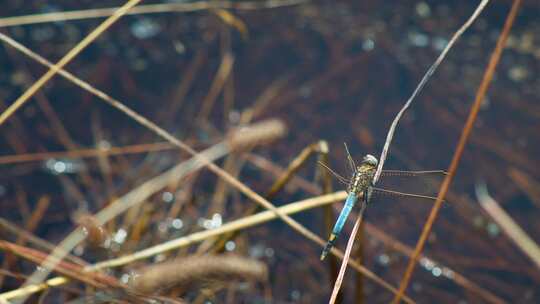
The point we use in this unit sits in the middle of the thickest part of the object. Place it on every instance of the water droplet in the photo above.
(383, 259)
(295, 295)
(439, 43)
(59, 167)
(269, 252)
(145, 28)
(436, 271)
(120, 236)
(368, 45)
(167, 197)
(493, 229)
(427, 263)
(125, 278)
(423, 10)
(518, 73)
(230, 246)
(177, 224)
(179, 47)
(418, 39)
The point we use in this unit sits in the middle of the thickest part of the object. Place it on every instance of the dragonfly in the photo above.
(360, 187)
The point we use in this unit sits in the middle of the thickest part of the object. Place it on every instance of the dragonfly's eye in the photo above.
(371, 160)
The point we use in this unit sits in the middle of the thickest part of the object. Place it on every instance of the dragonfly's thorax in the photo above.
(361, 179)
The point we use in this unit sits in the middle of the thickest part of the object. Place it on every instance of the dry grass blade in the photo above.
(206, 234)
(146, 9)
(187, 240)
(480, 95)
(75, 238)
(508, 225)
(187, 271)
(70, 270)
(144, 191)
(393, 126)
(383, 237)
(350, 243)
(85, 153)
(422, 83)
(256, 134)
(66, 59)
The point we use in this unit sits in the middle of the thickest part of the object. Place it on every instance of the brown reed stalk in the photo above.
(380, 235)
(480, 95)
(417, 90)
(73, 271)
(85, 153)
(188, 271)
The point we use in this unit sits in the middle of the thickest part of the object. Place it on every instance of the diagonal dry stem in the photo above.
(381, 236)
(422, 83)
(480, 95)
(407, 104)
(522, 240)
(66, 59)
(212, 167)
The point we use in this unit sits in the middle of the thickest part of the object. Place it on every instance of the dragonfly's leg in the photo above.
(352, 165)
(339, 177)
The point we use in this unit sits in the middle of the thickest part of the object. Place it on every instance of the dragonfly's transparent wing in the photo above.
(424, 183)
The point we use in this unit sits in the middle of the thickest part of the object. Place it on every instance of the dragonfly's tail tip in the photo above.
(328, 246)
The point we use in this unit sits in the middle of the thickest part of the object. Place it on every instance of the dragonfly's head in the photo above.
(370, 160)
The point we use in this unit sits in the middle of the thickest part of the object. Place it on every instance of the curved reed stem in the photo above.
(480, 95)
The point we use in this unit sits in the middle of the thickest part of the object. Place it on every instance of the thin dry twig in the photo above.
(393, 126)
(422, 83)
(66, 59)
(508, 225)
(343, 268)
(200, 236)
(144, 191)
(383, 237)
(480, 95)
(212, 167)
(86, 153)
(146, 9)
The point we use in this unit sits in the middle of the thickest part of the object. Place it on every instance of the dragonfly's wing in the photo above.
(413, 173)
(424, 183)
(378, 192)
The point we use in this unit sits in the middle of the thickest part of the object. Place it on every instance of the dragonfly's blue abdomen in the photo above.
(349, 204)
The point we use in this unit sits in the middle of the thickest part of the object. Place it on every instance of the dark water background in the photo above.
(342, 71)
